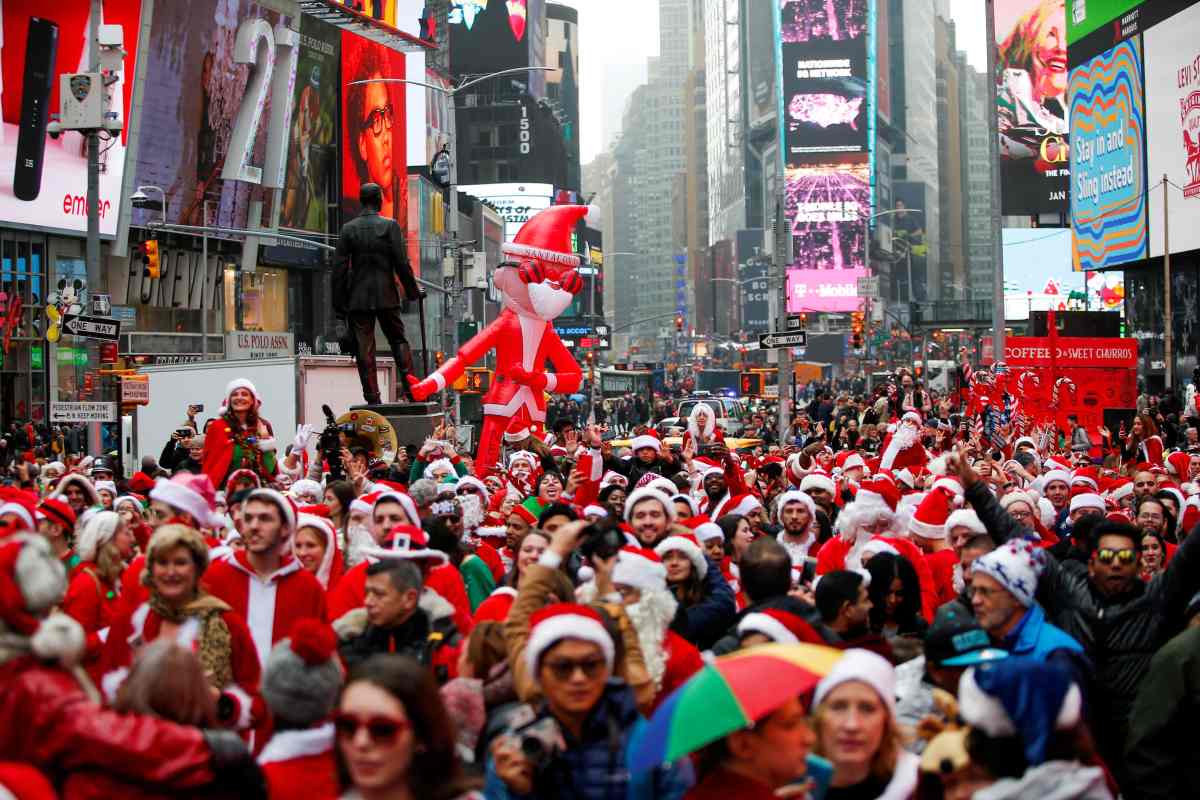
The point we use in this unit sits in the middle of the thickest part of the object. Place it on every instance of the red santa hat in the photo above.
(191, 494)
(1120, 489)
(24, 782)
(820, 481)
(741, 504)
(286, 506)
(863, 666)
(497, 605)
(648, 439)
(546, 236)
(1054, 475)
(406, 502)
(687, 544)
(929, 519)
(640, 568)
(1177, 465)
(550, 625)
(880, 493)
(33, 581)
(707, 531)
(648, 492)
(687, 499)
(610, 478)
(1087, 500)
(407, 542)
(57, 511)
(234, 385)
(22, 505)
(140, 482)
(794, 496)
(1056, 463)
(98, 530)
(332, 559)
(781, 627)
(965, 518)
(1191, 515)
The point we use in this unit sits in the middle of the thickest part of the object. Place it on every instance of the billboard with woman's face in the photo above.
(1031, 89)
(374, 147)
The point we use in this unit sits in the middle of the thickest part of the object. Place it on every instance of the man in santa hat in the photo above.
(797, 515)
(650, 514)
(263, 582)
(639, 579)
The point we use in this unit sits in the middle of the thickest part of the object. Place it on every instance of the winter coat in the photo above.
(708, 620)
(301, 763)
(429, 636)
(1159, 755)
(594, 766)
(47, 721)
(1119, 634)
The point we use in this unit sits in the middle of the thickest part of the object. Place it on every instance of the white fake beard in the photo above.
(472, 511)
(651, 616)
(959, 582)
(547, 301)
(358, 537)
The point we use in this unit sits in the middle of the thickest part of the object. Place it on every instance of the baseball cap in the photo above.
(956, 640)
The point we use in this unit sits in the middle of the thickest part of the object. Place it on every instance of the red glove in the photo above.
(421, 389)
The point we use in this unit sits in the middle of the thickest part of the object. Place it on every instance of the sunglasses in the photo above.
(381, 730)
(564, 668)
(1106, 555)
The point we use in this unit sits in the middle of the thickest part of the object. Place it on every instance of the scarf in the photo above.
(213, 642)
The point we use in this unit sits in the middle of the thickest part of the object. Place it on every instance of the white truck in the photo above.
(292, 389)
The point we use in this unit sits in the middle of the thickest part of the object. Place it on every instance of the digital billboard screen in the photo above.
(374, 145)
(490, 37)
(1031, 108)
(194, 89)
(1085, 16)
(1173, 125)
(1108, 197)
(515, 202)
(43, 180)
(312, 141)
(826, 102)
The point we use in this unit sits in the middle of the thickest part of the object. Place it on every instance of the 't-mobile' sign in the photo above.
(1034, 351)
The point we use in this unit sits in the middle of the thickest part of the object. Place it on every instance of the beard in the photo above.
(651, 616)
(547, 301)
(358, 538)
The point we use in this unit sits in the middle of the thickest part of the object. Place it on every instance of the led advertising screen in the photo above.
(1031, 59)
(1108, 179)
(194, 89)
(1173, 126)
(312, 141)
(826, 102)
(1085, 16)
(374, 145)
(515, 202)
(43, 179)
(489, 37)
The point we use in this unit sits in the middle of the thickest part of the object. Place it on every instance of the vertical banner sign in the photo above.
(1031, 92)
(1173, 127)
(374, 144)
(827, 108)
(1108, 197)
(312, 139)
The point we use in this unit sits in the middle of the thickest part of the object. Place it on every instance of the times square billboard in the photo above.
(827, 101)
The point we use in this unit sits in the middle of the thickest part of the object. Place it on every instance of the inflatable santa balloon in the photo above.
(537, 285)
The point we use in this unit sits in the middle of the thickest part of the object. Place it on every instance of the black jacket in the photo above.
(371, 258)
(1119, 634)
(417, 637)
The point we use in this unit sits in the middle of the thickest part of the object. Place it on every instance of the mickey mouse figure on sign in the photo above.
(538, 285)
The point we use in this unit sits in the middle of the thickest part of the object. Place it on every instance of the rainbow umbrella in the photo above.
(727, 695)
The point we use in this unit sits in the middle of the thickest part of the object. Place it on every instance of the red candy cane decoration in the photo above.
(1058, 385)
(1027, 376)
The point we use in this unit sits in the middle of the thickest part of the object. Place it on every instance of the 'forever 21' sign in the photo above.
(272, 54)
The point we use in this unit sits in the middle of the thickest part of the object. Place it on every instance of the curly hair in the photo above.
(1017, 49)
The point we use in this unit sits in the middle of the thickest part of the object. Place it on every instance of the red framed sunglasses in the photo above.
(381, 730)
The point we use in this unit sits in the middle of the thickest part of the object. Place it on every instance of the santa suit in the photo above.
(301, 763)
(683, 661)
(517, 395)
(444, 579)
(93, 603)
(134, 629)
(270, 606)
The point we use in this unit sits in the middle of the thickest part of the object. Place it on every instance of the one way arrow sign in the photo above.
(108, 330)
(774, 341)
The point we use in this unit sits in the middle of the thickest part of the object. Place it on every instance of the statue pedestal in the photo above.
(413, 422)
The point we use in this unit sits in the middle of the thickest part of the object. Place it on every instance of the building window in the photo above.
(261, 304)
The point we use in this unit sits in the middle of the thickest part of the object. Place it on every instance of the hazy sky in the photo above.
(626, 32)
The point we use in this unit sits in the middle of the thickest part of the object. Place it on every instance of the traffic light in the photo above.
(804, 320)
(439, 357)
(150, 259)
(856, 330)
(479, 380)
(679, 322)
(753, 384)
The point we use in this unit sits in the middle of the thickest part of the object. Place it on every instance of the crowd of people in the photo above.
(998, 615)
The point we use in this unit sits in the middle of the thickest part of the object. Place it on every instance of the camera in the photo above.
(541, 741)
(602, 538)
(330, 445)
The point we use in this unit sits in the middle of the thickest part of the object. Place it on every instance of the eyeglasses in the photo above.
(1106, 555)
(1020, 514)
(378, 118)
(564, 668)
(381, 730)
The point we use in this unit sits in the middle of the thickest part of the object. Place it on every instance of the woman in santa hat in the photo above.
(239, 438)
(704, 599)
(179, 610)
(104, 547)
(315, 546)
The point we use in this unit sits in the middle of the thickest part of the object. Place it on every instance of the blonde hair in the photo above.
(166, 539)
(109, 564)
(1016, 51)
(883, 763)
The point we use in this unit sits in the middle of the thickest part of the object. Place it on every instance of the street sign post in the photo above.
(775, 341)
(106, 330)
(83, 412)
(795, 322)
